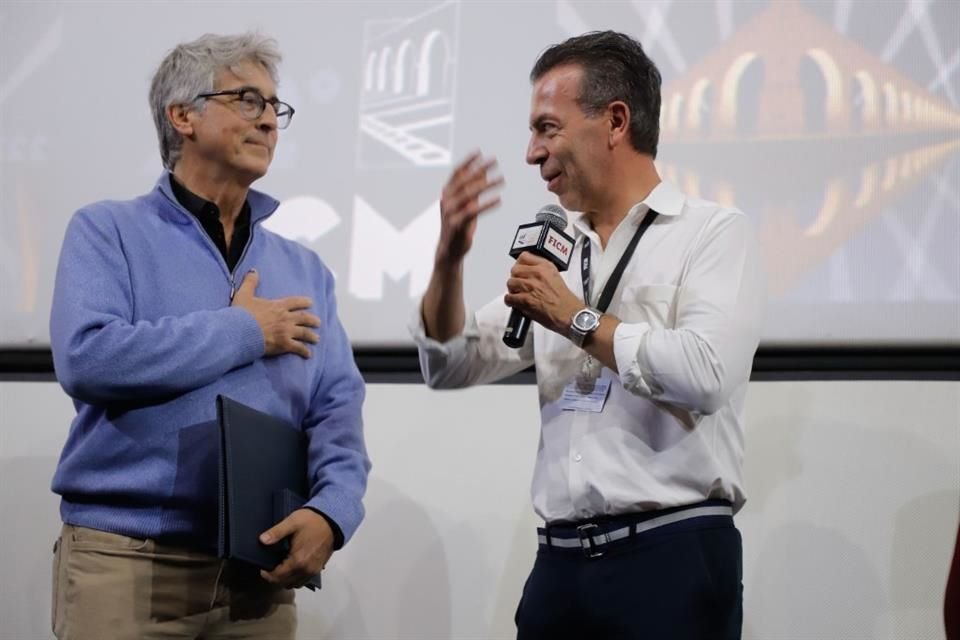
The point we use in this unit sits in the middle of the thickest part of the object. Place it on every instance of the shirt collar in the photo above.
(200, 207)
(261, 205)
(664, 198)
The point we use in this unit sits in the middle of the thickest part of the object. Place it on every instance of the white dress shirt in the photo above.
(671, 432)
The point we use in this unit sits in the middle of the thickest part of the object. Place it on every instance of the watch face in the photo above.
(585, 320)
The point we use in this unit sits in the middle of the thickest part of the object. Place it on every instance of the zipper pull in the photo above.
(233, 282)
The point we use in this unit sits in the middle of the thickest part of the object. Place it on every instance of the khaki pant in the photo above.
(111, 587)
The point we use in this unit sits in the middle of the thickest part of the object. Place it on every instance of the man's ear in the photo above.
(179, 116)
(618, 114)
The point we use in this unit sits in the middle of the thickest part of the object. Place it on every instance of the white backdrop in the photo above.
(853, 503)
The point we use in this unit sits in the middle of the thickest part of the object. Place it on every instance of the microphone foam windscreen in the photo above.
(553, 215)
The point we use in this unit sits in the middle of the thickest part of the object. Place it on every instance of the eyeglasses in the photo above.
(251, 105)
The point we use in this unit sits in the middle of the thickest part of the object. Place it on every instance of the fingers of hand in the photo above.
(279, 531)
(517, 300)
(294, 571)
(310, 549)
(519, 285)
(527, 258)
(461, 195)
(470, 167)
(489, 204)
(295, 331)
(541, 271)
(297, 347)
(297, 341)
(291, 339)
(251, 280)
(305, 319)
(295, 303)
(464, 165)
(474, 186)
(284, 573)
(305, 335)
(247, 288)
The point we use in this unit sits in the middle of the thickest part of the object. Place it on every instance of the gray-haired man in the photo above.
(162, 303)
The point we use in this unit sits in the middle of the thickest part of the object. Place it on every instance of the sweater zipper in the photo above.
(231, 275)
(243, 254)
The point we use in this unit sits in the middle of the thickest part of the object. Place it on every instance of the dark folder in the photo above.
(263, 479)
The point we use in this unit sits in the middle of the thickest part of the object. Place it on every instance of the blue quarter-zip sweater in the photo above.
(144, 338)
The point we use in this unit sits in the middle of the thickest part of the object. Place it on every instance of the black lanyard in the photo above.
(607, 294)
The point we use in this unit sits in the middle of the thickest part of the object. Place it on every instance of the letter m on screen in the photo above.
(379, 250)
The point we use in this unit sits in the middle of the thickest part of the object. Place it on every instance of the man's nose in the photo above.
(535, 151)
(268, 119)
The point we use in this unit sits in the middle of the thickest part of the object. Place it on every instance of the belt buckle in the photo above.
(586, 540)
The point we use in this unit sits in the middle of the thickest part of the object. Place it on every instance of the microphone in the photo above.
(544, 238)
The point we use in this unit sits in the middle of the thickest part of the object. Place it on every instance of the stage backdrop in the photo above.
(833, 124)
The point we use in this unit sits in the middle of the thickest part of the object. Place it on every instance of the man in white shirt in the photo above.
(642, 380)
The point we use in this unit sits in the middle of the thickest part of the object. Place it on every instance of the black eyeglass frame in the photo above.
(283, 110)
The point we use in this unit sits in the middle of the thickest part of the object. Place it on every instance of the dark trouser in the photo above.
(677, 582)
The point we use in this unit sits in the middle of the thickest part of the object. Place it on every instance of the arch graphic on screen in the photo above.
(863, 134)
(406, 108)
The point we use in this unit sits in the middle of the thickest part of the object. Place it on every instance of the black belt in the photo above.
(591, 536)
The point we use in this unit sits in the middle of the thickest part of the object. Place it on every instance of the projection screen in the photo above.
(834, 125)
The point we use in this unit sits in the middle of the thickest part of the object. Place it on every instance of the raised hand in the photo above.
(460, 205)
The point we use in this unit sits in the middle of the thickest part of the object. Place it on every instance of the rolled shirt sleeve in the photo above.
(476, 356)
(709, 352)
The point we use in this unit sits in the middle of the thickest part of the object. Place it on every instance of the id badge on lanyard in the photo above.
(589, 392)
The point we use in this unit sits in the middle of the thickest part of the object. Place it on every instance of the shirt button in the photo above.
(578, 457)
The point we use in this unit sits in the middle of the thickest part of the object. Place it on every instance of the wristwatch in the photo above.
(583, 324)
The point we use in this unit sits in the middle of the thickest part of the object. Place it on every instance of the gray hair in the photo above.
(191, 68)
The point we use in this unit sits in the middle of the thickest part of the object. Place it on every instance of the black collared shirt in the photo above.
(208, 214)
